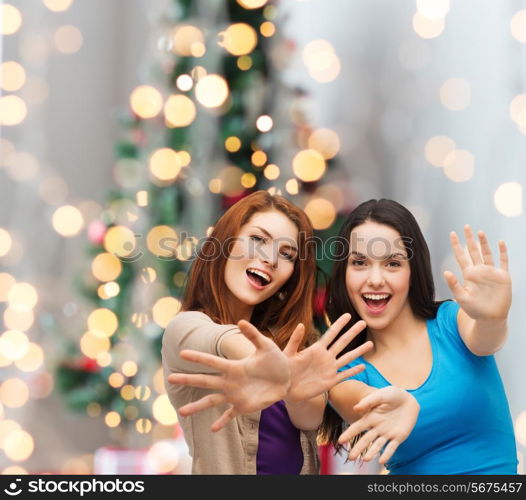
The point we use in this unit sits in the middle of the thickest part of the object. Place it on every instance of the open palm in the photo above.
(388, 417)
(248, 384)
(314, 370)
(486, 290)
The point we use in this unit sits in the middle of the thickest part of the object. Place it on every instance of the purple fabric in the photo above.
(279, 448)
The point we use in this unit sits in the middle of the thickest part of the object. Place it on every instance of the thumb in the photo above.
(295, 340)
(453, 284)
(369, 402)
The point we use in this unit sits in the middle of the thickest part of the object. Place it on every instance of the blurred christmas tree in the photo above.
(195, 141)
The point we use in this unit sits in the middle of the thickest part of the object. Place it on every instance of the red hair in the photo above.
(206, 288)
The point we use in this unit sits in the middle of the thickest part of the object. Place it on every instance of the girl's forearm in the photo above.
(307, 414)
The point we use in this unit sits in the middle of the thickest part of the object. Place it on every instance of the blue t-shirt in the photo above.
(464, 425)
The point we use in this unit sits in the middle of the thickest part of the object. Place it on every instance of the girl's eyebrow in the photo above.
(387, 257)
(396, 255)
(358, 254)
(268, 235)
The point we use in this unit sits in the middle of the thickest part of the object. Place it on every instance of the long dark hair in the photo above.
(421, 286)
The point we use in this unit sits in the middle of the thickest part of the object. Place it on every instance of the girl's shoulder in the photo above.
(183, 318)
(447, 314)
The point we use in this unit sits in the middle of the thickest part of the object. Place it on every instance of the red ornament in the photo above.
(89, 365)
(228, 201)
(320, 298)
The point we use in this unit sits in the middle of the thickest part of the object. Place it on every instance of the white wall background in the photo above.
(386, 105)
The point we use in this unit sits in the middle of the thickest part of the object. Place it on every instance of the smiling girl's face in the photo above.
(378, 274)
(261, 260)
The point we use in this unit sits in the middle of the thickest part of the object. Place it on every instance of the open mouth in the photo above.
(258, 278)
(376, 301)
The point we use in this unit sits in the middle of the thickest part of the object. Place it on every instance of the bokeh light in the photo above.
(455, 94)
(165, 164)
(188, 40)
(459, 165)
(433, 9)
(325, 141)
(239, 39)
(68, 221)
(428, 28)
(58, 5)
(10, 19)
(321, 60)
(179, 111)
(163, 411)
(308, 165)
(508, 199)
(14, 393)
(518, 26)
(437, 148)
(92, 345)
(212, 91)
(22, 297)
(102, 322)
(321, 213)
(120, 241)
(165, 309)
(106, 267)
(13, 110)
(18, 445)
(161, 241)
(6, 242)
(12, 76)
(146, 101)
(68, 39)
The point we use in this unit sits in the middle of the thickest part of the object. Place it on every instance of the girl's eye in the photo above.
(287, 256)
(358, 262)
(394, 263)
(256, 238)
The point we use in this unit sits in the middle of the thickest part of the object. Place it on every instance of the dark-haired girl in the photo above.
(431, 400)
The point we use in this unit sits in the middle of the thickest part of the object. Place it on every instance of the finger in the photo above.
(197, 380)
(295, 340)
(458, 250)
(334, 329)
(362, 444)
(223, 420)
(389, 451)
(353, 430)
(453, 284)
(354, 354)
(350, 372)
(349, 335)
(253, 334)
(473, 249)
(370, 401)
(204, 403)
(503, 252)
(485, 248)
(375, 448)
(206, 359)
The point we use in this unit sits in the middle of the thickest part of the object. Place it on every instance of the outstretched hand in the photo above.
(248, 384)
(486, 291)
(388, 417)
(314, 370)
